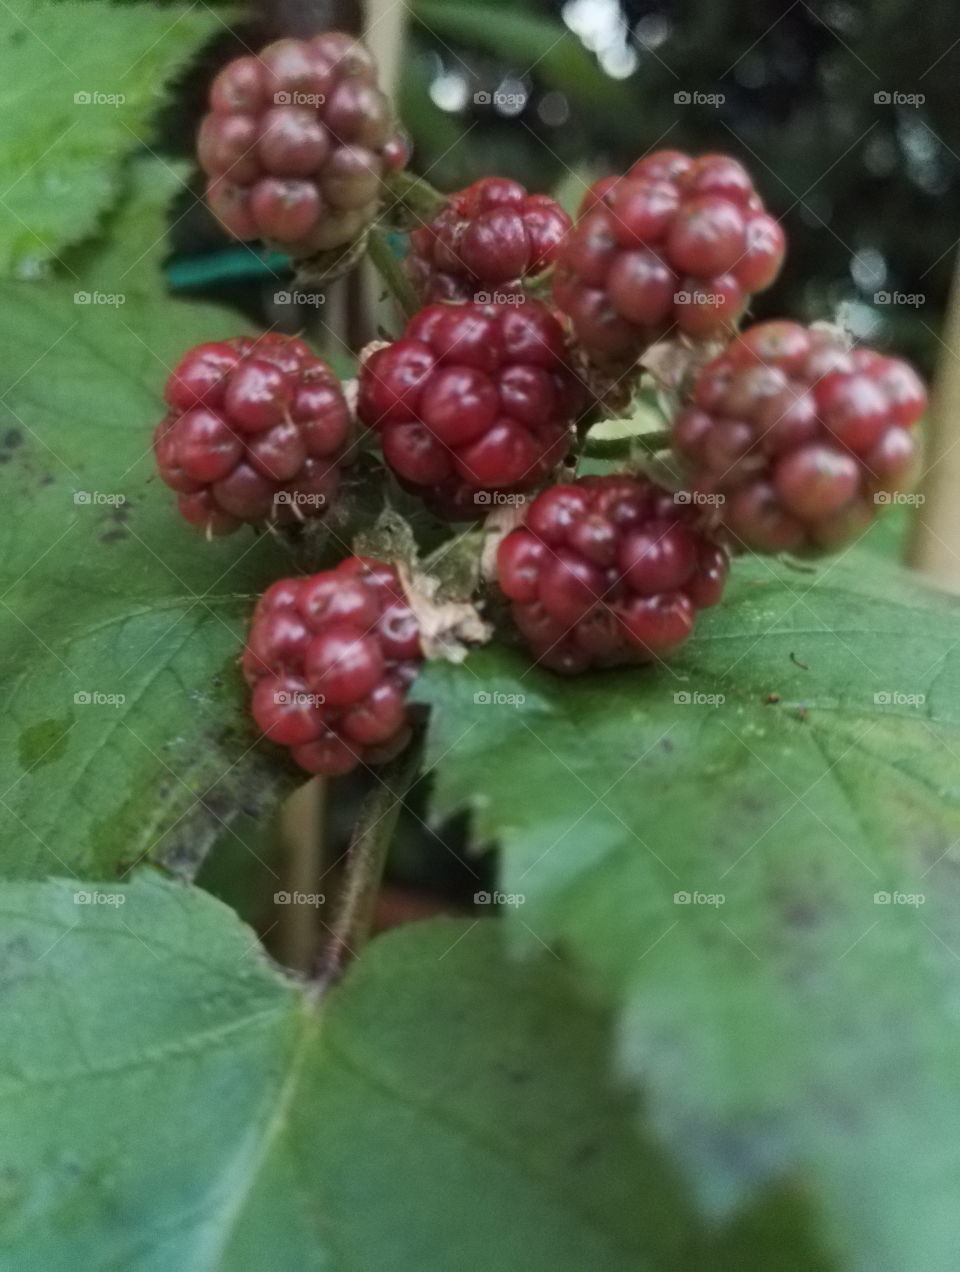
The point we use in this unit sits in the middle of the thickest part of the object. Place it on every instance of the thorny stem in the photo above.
(366, 859)
(392, 272)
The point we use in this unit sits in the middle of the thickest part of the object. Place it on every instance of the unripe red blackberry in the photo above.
(297, 144)
(487, 238)
(472, 399)
(330, 658)
(256, 431)
(608, 570)
(675, 243)
(799, 439)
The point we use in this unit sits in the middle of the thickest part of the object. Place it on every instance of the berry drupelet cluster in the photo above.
(674, 243)
(330, 659)
(608, 570)
(800, 437)
(256, 431)
(489, 237)
(472, 399)
(297, 144)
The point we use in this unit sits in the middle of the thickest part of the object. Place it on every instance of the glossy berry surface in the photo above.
(799, 439)
(297, 144)
(487, 238)
(329, 659)
(608, 570)
(256, 431)
(472, 400)
(676, 244)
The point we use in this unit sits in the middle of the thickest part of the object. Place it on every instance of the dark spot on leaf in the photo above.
(113, 536)
(667, 746)
(47, 479)
(801, 914)
(42, 743)
(796, 661)
(772, 698)
(583, 1153)
(12, 438)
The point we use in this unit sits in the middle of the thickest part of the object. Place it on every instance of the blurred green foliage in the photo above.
(844, 113)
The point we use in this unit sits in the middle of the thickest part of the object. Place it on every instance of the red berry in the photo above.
(487, 237)
(608, 570)
(257, 431)
(329, 659)
(795, 435)
(472, 399)
(297, 143)
(676, 242)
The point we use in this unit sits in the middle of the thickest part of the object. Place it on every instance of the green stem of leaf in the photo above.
(392, 272)
(366, 860)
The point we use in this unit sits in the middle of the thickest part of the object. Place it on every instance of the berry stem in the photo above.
(624, 447)
(414, 195)
(366, 859)
(391, 271)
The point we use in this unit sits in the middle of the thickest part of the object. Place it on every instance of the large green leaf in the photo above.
(168, 1100)
(80, 83)
(102, 597)
(805, 1027)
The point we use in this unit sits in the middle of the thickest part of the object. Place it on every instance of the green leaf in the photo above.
(801, 1028)
(170, 1101)
(127, 253)
(81, 82)
(105, 591)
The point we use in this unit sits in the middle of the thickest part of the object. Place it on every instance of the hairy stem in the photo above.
(392, 272)
(366, 859)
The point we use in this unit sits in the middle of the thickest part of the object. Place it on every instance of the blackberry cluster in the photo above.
(472, 401)
(330, 659)
(297, 144)
(608, 570)
(256, 431)
(488, 237)
(798, 437)
(676, 242)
